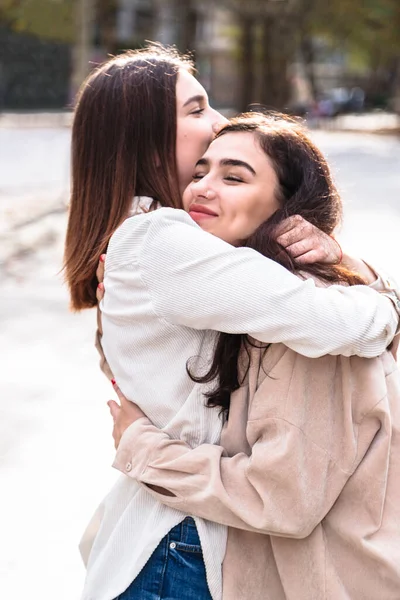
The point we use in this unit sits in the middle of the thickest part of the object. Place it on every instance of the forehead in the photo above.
(187, 86)
(241, 145)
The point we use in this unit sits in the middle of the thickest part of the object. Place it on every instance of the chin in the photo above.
(207, 228)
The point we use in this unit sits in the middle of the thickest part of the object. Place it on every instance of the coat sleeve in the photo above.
(285, 488)
(197, 280)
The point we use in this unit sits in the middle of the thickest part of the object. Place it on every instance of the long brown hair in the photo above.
(123, 145)
(305, 188)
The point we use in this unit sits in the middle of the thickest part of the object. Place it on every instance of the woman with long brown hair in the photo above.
(306, 475)
(141, 123)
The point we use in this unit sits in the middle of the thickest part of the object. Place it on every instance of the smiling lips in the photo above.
(199, 212)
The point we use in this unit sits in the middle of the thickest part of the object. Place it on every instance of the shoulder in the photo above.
(304, 275)
(143, 232)
(327, 399)
(321, 386)
(169, 217)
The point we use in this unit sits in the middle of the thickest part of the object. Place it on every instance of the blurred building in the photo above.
(208, 31)
(242, 56)
(39, 72)
(34, 73)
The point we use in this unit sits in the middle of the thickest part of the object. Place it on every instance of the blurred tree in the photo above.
(188, 17)
(47, 19)
(106, 25)
(369, 30)
(267, 46)
(67, 21)
(84, 15)
(273, 31)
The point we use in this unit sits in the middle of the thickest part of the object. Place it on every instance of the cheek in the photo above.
(200, 134)
(262, 205)
(184, 158)
(186, 198)
(246, 214)
(187, 151)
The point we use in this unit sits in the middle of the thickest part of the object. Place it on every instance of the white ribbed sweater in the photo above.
(169, 284)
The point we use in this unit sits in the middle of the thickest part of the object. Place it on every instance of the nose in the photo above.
(201, 189)
(218, 121)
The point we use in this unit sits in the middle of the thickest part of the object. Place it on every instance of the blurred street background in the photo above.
(336, 64)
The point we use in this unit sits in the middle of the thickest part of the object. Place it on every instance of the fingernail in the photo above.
(103, 258)
(113, 381)
(101, 286)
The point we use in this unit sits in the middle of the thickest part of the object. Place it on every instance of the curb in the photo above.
(383, 124)
(39, 120)
(26, 239)
(384, 132)
(369, 123)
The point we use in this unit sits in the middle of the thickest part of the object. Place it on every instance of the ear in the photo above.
(157, 160)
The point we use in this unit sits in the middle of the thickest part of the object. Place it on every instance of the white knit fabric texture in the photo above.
(168, 285)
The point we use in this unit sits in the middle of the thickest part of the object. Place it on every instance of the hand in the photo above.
(306, 243)
(100, 278)
(123, 414)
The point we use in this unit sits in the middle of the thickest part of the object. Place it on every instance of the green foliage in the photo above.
(48, 19)
(369, 28)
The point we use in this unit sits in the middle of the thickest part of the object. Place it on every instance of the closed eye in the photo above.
(234, 178)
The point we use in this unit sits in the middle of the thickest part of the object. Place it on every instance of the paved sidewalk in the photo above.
(36, 119)
(34, 188)
(375, 122)
(55, 431)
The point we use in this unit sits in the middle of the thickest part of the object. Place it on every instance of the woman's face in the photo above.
(196, 125)
(234, 188)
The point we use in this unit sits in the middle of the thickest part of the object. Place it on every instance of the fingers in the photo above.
(100, 292)
(309, 258)
(299, 248)
(295, 234)
(100, 278)
(121, 397)
(114, 409)
(306, 243)
(118, 391)
(288, 224)
(100, 269)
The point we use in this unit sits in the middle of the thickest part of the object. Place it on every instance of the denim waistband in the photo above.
(185, 532)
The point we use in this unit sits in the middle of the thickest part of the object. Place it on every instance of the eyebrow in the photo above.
(198, 98)
(228, 162)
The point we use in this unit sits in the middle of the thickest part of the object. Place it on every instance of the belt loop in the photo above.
(184, 531)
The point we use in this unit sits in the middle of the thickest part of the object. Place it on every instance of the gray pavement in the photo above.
(55, 442)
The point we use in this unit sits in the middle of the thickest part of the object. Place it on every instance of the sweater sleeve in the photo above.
(285, 488)
(199, 281)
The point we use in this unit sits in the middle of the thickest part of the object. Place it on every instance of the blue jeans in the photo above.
(175, 570)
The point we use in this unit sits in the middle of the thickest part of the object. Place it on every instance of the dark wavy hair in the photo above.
(305, 188)
(123, 145)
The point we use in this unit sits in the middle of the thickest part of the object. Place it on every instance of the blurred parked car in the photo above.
(339, 101)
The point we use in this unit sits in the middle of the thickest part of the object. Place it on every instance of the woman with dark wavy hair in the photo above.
(306, 473)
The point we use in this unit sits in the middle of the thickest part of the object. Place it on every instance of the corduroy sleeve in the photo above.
(285, 488)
